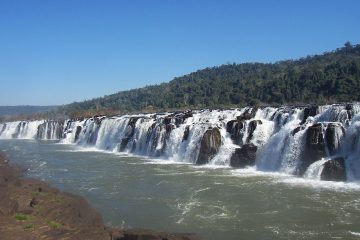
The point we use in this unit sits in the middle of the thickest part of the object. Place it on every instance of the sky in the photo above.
(55, 52)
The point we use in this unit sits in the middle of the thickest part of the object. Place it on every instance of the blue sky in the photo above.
(60, 51)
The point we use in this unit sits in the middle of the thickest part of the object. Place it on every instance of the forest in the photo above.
(331, 77)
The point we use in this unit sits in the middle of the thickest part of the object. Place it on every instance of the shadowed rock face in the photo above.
(46, 129)
(314, 147)
(236, 129)
(77, 133)
(186, 133)
(244, 156)
(332, 137)
(309, 112)
(209, 146)
(334, 170)
(129, 133)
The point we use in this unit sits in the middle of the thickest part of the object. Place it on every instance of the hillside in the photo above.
(17, 110)
(330, 77)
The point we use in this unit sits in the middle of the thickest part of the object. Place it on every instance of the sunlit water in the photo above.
(215, 203)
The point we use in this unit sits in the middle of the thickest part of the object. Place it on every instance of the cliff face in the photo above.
(31, 209)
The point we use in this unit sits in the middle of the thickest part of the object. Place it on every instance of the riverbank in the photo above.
(31, 209)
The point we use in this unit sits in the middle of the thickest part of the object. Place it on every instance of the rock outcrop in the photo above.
(244, 156)
(129, 133)
(310, 111)
(333, 134)
(334, 170)
(314, 148)
(209, 146)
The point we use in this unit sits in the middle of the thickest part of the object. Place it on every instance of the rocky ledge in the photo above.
(31, 209)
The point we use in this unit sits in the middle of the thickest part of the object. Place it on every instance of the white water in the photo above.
(280, 148)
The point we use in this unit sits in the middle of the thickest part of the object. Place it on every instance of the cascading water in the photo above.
(317, 142)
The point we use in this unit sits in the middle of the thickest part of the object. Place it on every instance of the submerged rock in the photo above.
(244, 156)
(334, 170)
(209, 146)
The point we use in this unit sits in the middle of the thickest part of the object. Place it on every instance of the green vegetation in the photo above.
(54, 225)
(21, 217)
(319, 79)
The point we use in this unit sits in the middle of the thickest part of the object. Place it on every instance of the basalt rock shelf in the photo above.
(302, 141)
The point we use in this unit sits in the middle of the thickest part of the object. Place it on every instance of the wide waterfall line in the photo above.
(319, 142)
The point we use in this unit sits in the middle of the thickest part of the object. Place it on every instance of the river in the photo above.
(215, 202)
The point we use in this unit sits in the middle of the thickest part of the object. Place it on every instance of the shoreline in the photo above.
(32, 209)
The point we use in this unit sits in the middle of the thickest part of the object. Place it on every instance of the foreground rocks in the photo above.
(31, 209)
(244, 156)
(334, 170)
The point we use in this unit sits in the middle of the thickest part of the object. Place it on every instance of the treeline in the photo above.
(319, 79)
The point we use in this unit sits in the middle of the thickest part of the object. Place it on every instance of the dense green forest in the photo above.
(319, 79)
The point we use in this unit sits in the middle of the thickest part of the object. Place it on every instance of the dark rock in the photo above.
(244, 156)
(235, 128)
(124, 143)
(186, 133)
(251, 128)
(210, 144)
(297, 129)
(334, 170)
(247, 114)
(349, 110)
(230, 126)
(167, 120)
(77, 133)
(129, 133)
(310, 111)
(314, 147)
(331, 137)
(169, 128)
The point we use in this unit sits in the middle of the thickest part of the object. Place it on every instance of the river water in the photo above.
(213, 202)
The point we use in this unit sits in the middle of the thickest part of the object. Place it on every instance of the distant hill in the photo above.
(24, 110)
(326, 78)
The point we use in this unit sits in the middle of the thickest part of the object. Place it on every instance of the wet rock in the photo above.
(210, 144)
(244, 156)
(251, 128)
(310, 111)
(334, 170)
(333, 133)
(167, 120)
(314, 147)
(77, 133)
(129, 133)
(186, 133)
(297, 129)
(349, 110)
(235, 128)
(247, 115)
(123, 144)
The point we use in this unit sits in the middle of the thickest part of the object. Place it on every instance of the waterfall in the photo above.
(292, 140)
